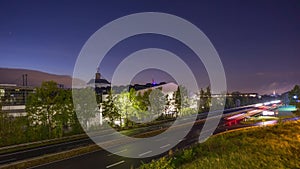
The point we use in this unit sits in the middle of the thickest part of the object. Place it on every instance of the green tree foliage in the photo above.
(86, 106)
(182, 102)
(132, 106)
(168, 104)
(139, 106)
(295, 92)
(229, 103)
(205, 100)
(109, 108)
(143, 100)
(12, 130)
(177, 101)
(124, 106)
(157, 101)
(49, 110)
(144, 106)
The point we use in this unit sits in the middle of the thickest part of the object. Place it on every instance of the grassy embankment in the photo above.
(261, 147)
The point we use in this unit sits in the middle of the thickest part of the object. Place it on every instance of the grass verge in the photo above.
(275, 146)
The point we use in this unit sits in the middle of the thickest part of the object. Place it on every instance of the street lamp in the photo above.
(295, 97)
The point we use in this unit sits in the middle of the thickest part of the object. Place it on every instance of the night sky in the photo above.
(257, 41)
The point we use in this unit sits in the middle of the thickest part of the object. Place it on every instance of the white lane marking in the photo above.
(118, 163)
(114, 153)
(4, 161)
(145, 153)
(182, 139)
(165, 146)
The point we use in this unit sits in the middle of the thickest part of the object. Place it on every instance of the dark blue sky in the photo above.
(258, 41)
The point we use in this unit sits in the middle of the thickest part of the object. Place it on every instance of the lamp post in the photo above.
(101, 115)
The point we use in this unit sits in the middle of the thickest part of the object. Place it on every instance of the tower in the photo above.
(98, 74)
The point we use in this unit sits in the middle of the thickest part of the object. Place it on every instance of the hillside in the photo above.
(35, 78)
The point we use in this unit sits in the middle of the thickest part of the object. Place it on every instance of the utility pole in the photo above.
(24, 78)
(26, 88)
(23, 84)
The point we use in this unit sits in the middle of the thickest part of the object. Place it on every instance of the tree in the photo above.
(86, 106)
(143, 106)
(177, 101)
(138, 110)
(208, 98)
(181, 99)
(157, 101)
(229, 103)
(48, 110)
(294, 95)
(123, 105)
(236, 96)
(168, 104)
(143, 100)
(109, 108)
(66, 117)
(12, 129)
(205, 100)
(202, 101)
(131, 106)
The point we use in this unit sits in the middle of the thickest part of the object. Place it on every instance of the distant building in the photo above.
(146, 86)
(13, 98)
(285, 98)
(237, 94)
(101, 86)
(98, 82)
(166, 88)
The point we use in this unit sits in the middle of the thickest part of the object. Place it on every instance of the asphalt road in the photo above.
(59, 147)
(106, 159)
(103, 159)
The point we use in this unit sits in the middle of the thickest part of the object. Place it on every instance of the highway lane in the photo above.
(39, 151)
(29, 153)
(104, 159)
(54, 148)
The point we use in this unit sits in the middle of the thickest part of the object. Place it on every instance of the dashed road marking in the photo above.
(165, 146)
(115, 164)
(145, 153)
(117, 152)
(182, 139)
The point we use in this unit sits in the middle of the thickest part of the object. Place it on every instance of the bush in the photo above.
(162, 163)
